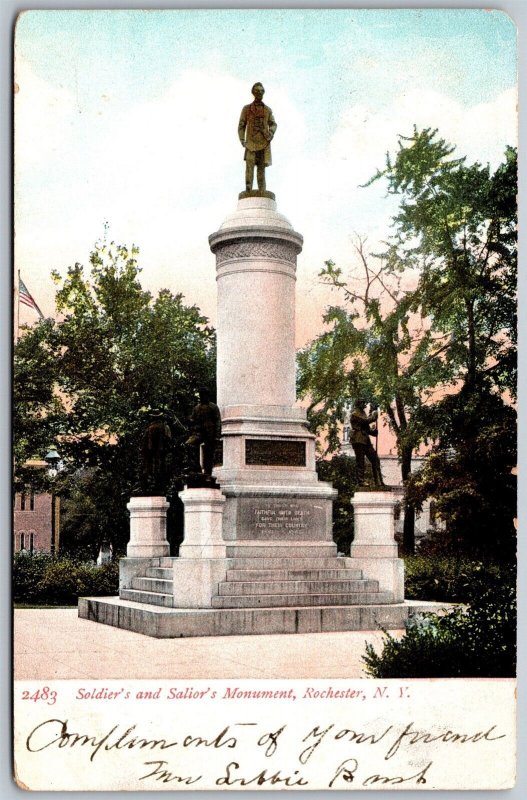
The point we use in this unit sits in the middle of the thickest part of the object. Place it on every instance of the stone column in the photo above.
(256, 250)
(148, 527)
(374, 548)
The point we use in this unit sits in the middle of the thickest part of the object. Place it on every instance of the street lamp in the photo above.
(54, 463)
(52, 459)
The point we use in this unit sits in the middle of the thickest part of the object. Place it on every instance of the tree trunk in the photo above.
(409, 531)
(409, 512)
(470, 380)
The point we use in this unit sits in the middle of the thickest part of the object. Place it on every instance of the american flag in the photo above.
(27, 299)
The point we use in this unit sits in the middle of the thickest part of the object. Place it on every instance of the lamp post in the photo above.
(52, 459)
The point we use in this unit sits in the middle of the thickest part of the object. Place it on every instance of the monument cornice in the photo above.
(256, 234)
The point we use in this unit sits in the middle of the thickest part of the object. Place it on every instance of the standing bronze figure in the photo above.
(155, 451)
(256, 129)
(362, 446)
(205, 424)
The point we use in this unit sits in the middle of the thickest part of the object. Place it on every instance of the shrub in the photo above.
(449, 579)
(45, 580)
(28, 570)
(474, 642)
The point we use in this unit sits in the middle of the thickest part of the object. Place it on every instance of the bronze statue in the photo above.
(155, 449)
(362, 446)
(205, 424)
(256, 129)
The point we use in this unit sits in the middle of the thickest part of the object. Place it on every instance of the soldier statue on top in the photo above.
(362, 446)
(256, 128)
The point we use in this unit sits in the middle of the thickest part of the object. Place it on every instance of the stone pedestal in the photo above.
(202, 561)
(203, 524)
(148, 527)
(374, 549)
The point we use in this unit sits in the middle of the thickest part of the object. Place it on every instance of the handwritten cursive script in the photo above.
(341, 755)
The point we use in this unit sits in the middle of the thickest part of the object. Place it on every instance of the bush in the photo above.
(47, 580)
(28, 570)
(450, 579)
(474, 642)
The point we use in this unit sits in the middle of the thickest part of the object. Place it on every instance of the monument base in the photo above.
(279, 573)
(374, 549)
(172, 623)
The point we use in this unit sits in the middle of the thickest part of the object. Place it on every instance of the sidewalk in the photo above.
(56, 644)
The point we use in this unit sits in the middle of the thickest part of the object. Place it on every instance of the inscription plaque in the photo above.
(275, 453)
(281, 519)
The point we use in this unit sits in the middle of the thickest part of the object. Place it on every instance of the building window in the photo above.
(27, 501)
(346, 434)
(31, 542)
(22, 541)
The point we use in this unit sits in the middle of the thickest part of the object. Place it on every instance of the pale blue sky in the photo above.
(131, 116)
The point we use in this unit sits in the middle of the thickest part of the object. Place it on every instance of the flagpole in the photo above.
(16, 310)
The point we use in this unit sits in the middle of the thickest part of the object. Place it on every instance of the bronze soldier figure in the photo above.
(205, 424)
(155, 449)
(362, 446)
(256, 129)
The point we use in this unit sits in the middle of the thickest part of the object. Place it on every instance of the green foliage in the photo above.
(44, 580)
(341, 472)
(448, 578)
(37, 412)
(87, 382)
(434, 313)
(28, 570)
(457, 225)
(474, 642)
(469, 473)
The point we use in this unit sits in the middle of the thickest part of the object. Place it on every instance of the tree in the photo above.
(114, 353)
(470, 474)
(457, 226)
(453, 331)
(377, 348)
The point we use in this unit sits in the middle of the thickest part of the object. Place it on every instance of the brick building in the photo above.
(36, 520)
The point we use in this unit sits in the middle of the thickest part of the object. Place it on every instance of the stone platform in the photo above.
(271, 589)
(171, 623)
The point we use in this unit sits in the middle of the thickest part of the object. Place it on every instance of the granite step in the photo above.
(147, 584)
(247, 588)
(301, 600)
(293, 574)
(148, 598)
(249, 559)
(164, 573)
(335, 562)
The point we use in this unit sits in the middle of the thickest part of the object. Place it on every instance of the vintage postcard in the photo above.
(264, 526)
